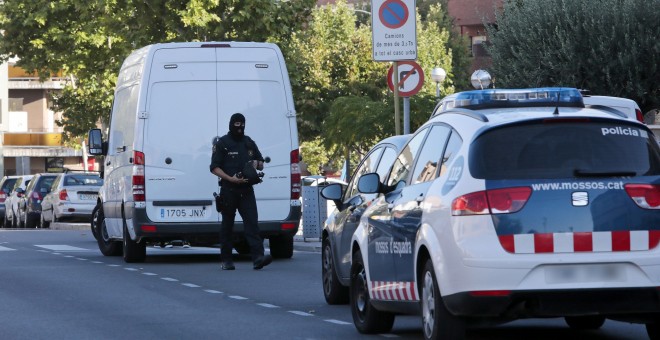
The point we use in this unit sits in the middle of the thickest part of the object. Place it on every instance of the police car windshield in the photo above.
(566, 149)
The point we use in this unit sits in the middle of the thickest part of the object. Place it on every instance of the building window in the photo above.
(478, 46)
(15, 104)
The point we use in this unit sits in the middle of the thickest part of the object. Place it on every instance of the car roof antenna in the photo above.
(556, 113)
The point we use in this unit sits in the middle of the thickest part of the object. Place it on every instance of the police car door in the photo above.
(381, 238)
(406, 215)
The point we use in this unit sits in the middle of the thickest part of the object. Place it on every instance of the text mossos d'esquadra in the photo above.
(393, 247)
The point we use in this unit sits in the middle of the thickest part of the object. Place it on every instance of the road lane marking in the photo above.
(338, 322)
(191, 285)
(131, 269)
(149, 274)
(300, 313)
(97, 262)
(237, 297)
(169, 279)
(114, 265)
(212, 291)
(5, 248)
(267, 305)
(60, 247)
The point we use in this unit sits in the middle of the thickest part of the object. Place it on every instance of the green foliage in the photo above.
(609, 47)
(315, 155)
(88, 40)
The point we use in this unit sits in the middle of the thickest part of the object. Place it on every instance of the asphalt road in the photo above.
(55, 284)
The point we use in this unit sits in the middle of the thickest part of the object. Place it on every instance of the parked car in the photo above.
(11, 203)
(349, 206)
(29, 205)
(72, 196)
(320, 180)
(518, 204)
(6, 185)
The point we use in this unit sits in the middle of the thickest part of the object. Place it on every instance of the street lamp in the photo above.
(480, 79)
(438, 75)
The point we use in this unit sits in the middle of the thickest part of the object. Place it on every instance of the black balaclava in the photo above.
(237, 132)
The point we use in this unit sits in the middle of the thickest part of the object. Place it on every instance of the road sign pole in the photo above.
(406, 115)
(396, 98)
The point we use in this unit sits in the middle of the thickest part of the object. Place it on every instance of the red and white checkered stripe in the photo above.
(398, 291)
(600, 241)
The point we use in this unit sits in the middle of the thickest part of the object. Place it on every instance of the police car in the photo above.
(513, 204)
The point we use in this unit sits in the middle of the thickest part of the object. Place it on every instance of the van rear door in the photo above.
(251, 81)
(179, 128)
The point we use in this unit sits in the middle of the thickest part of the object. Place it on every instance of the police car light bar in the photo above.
(503, 98)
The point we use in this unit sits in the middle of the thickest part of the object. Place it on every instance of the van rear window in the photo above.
(565, 149)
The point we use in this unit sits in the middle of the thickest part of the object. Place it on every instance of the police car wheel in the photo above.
(366, 318)
(653, 330)
(585, 322)
(107, 246)
(333, 291)
(437, 321)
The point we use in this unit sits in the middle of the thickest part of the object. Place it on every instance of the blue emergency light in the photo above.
(503, 98)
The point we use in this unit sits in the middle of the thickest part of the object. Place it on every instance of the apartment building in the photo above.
(469, 18)
(31, 141)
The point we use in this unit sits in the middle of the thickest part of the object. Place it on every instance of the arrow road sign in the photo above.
(411, 78)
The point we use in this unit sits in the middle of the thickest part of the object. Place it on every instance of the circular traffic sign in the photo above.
(411, 78)
(393, 13)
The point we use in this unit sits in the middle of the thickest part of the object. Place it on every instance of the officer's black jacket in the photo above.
(230, 156)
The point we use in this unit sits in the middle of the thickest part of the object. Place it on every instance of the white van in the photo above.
(171, 101)
(627, 106)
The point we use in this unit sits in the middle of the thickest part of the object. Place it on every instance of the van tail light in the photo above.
(139, 194)
(640, 116)
(63, 195)
(295, 175)
(3, 196)
(646, 196)
(496, 201)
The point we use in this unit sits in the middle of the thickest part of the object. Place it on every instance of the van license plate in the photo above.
(182, 214)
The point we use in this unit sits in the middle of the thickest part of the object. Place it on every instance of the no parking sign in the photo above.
(394, 30)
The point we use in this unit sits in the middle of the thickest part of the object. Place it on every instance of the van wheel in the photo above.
(590, 322)
(653, 330)
(366, 318)
(43, 223)
(133, 251)
(437, 321)
(335, 293)
(107, 246)
(281, 247)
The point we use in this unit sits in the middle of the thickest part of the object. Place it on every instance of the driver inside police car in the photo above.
(231, 153)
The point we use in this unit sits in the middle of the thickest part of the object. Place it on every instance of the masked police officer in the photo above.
(231, 152)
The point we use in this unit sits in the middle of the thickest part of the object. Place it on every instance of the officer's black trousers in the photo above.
(246, 204)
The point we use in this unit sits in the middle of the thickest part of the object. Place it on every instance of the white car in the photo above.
(11, 202)
(517, 204)
(72, 196)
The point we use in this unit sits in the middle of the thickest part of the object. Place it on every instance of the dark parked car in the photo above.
(336, 236)
(29, 206)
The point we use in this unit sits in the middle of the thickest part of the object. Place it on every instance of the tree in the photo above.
(88, 40)
(341, 93)
(609, 47)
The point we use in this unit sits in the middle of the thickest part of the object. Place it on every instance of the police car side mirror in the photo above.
(369, 183)
(333, 192)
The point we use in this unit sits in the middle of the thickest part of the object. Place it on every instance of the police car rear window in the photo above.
(564, 149)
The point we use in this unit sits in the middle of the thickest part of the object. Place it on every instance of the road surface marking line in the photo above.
(97, 262)
(237, 297)
(338, 322)
(131, 269)
(267, 305)
(300, 313)
(191, 285)
(212, 291)
(114, 265)
(68, 255)
(5, 248)
(169, 279)
(150, 274)
(60, 247)
(81, 259)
